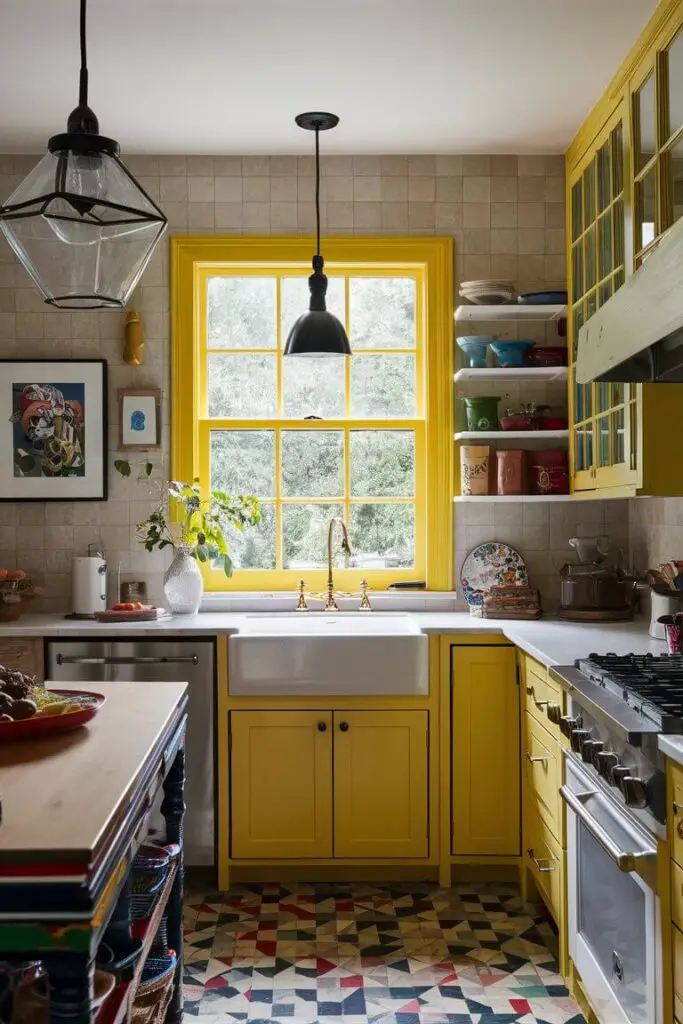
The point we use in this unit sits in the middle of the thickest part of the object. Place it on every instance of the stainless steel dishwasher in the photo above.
(150, 661)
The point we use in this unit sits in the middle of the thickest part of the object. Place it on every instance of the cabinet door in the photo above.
(381, 783)
(281, 771)
(486, 775)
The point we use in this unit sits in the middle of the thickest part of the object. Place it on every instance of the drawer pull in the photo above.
(677, 808)
(539, 862)
(539, 760)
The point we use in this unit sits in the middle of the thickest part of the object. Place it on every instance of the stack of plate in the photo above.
(487, 292)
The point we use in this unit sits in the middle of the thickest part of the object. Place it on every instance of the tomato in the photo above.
(123, 606)
(16, 574)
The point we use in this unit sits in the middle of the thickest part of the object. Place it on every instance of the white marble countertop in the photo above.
(551, 641)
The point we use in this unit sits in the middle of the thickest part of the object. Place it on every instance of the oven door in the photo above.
(612, 902)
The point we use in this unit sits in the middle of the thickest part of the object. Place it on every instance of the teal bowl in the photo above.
(474, 349)
(511, 353)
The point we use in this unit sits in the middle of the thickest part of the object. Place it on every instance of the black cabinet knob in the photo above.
(343, 726)
(322, 726)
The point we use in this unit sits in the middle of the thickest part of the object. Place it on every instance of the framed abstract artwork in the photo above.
(140, 418)
(53, 430)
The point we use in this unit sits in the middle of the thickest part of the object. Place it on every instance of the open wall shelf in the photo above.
(525, 374)
(518, 312)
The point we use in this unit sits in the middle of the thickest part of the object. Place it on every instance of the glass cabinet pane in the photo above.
(591, 305)
(579, 405)
(618, 436)
(646, 196)
(578, 321)
(577, 211)
(604, 177)
(590, 250)
(617, 141)
(589, 194)
(674, 179)
(618, 233)
(580, 463)
(645, 109)
(605, 261)
(604, 397)
(605, 291)
(602, 425)
(675, 84)
(577, 270)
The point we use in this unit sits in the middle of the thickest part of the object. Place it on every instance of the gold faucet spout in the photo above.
(330, 604)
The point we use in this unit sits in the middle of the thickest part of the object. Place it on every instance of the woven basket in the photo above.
(153, 997)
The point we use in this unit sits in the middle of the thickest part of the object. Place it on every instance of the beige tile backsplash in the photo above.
(505, 213)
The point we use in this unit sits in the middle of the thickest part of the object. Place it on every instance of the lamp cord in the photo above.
(83, 82)
(317, 189)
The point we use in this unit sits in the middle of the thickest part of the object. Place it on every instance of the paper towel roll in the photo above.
(89, 589)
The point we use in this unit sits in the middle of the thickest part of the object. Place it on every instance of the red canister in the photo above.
(511, 466)
(549, 471)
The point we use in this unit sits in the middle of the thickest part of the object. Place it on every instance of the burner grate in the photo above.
(654, 679)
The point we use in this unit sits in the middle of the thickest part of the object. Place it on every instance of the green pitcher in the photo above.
(482, 412)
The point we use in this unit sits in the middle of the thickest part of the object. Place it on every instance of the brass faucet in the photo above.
(330, 603)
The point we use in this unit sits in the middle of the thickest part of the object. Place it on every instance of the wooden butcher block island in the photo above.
(75, 809)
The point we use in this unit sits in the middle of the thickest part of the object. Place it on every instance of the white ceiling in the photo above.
(228, 76)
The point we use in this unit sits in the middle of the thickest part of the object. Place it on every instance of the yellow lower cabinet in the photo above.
(281, 771)
(546, 863)
(678, 972)
(485, 751)
(381, 784)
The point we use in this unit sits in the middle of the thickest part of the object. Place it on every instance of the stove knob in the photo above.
(567, 723)
(606, 760)
(635, 791)
(619, 772)
(578, 737)
(590, 749)
(554, 713)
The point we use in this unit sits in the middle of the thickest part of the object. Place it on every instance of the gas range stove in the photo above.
(618, 705)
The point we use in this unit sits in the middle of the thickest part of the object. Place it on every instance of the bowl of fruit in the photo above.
(17, 590)
(28, 709)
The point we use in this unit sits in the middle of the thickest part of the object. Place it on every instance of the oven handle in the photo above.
(191, 659)
(625, 861)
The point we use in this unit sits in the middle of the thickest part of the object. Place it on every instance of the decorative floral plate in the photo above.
(489, 565)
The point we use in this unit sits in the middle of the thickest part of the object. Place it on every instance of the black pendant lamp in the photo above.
(317, 333)
(80, 223)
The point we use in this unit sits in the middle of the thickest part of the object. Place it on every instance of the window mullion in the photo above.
(279, 536)
(347, 360)
(347, 474)
(278, 341)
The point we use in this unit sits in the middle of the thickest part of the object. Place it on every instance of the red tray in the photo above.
(28, 727)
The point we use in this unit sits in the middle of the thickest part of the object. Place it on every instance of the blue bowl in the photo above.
(474, 349)
(511, 353)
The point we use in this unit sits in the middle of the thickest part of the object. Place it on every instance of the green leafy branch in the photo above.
(202, 520)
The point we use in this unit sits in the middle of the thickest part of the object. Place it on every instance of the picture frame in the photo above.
(53, 429)
(140, 419)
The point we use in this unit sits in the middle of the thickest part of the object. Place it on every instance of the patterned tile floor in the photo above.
(388, 954)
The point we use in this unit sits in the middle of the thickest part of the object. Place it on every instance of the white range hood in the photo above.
(638, 333)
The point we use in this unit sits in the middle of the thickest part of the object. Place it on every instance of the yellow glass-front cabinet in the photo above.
(320, 784)
(485, 751)
(624, 189)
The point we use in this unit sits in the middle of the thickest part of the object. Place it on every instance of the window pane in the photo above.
(254, 548)
(675, 58)
(313, 387)
(382, 312)
(604, 245)
(590, 247)
(617, 139)
(645, 210)
(383, 463)
(604, 177)
(243, 462)
(242, 386)
(382, 536)
(577, 210)
(577, 270)
(241, 312)
(675, 179)
(589, 195)
(645, 103)
(312, 463)
(296, 297)
(383, 385)
(305, 534)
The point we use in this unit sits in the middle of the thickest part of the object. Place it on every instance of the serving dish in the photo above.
(543, 299)
(37, 725)
(492, 564)
(511, 353)
(487, 292)
(474, 349)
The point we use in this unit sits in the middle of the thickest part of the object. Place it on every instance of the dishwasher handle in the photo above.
(189, 659)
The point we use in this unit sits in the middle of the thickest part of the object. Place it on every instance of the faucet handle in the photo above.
(365, 605)
(301, 604)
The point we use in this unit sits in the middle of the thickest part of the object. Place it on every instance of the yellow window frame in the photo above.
(430, 262)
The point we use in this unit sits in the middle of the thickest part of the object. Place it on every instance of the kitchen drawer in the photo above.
(23, 653)
(677, 894)
(676, 819)
(545, 860)
(542, 694)
(677, 949)
(542, 769)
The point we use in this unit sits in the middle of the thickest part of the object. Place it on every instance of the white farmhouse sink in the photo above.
(337, 653)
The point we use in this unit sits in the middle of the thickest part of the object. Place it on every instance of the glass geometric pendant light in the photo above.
(317, 332)
(79, 222)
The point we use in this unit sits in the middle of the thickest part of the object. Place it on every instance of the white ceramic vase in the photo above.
(183, 583)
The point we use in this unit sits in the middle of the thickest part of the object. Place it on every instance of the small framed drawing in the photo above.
(140, 416)
(53, 430)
